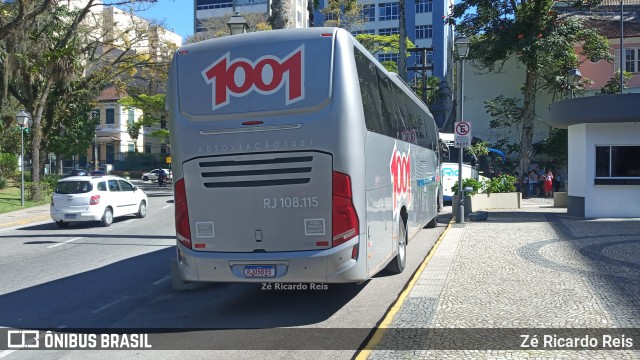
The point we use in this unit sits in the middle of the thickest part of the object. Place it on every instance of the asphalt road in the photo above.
(88, 276)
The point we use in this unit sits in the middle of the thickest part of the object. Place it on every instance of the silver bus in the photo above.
(297, 158)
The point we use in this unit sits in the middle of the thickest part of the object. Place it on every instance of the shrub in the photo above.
(501, 184)
(8, 164)
(472, 183)
(3, 182)
(51, 180)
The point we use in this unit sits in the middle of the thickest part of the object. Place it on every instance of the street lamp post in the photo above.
(237, 24)
(573, 78)
(24, 120)
(462, 51)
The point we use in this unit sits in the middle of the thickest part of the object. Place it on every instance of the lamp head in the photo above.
(237, 24)
(462, 45)
(23, 119)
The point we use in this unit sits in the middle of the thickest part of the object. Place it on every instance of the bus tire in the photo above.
(396, 266)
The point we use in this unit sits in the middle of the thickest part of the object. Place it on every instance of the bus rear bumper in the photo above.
(333, 265)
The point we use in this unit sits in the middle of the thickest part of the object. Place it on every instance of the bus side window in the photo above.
(389, 107)
(369, 92)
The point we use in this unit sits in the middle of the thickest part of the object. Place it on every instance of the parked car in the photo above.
(153, 175)
(96, 198)
(97, 173)
(76, 172)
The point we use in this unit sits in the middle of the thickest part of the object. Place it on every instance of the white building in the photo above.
(206, 9)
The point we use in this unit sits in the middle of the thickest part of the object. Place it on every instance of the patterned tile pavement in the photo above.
(534, 271)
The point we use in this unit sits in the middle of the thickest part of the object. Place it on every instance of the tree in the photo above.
(345, 14)
(153, 112)
(382, 43)
(281, 14)
(613, 85)
(65, 51)
(539, 39)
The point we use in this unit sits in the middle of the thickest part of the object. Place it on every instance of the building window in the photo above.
(388, 57)
(358, 32)
(424, 32)
(429, 57)
(131, 119)
(388, 11)
(163, 122)
(95, 114)
(617, 162)
(631, 60)
(389, 31)
(299, 17)
(369, 12)
(110, 116)
(424, 6)
(147, 148)
(132, 147)
(163, 148)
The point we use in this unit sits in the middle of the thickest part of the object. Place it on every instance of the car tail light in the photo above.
(95, 200)
(345, 224)
(354, 253)
(183, 230)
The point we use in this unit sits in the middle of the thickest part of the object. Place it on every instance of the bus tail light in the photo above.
(95, 200)
(344, 220)
(183, 231)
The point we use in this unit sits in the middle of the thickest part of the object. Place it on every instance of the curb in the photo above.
(381, 328)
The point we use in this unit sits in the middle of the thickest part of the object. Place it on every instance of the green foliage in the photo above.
(382, 43)
(51, 180)
(500, 184)
(537, 37)
(613, 85)
(153, 110)
(478, 149)
(346, 14)
(8, 164)
(3, 182)
(555, 147)
(468, 182)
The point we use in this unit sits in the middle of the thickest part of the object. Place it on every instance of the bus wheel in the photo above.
(396, 266)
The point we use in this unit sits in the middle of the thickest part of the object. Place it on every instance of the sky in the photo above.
(177, 15)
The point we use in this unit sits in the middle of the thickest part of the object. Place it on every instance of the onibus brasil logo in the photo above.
(266, 75)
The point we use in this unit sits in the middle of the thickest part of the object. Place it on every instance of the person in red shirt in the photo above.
(548, 184)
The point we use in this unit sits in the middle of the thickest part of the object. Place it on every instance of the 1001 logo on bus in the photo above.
(266, 76)
(400, 166)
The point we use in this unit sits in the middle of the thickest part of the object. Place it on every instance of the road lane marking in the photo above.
(62, 243)
(381, 329)
(166, 278)
(13, 224)
(99, 310)
(166, 206)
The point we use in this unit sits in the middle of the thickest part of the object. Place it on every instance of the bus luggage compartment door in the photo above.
(264, 202)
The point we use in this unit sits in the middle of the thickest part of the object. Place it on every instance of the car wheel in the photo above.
(62, 224)
(107, 218)
(142, 209)
(396, 266)
(145, 178)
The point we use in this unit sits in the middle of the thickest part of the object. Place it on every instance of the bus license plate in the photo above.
(262, 271)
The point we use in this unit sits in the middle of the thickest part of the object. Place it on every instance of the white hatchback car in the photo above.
(153, 175)
(96, 198)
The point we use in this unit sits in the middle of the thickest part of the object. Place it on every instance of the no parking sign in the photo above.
(462, 134)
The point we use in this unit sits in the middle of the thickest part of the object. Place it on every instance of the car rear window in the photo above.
(73, 187)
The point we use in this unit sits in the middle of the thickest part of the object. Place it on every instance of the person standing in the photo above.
(548, 184)
(557, 181)
(533, 183)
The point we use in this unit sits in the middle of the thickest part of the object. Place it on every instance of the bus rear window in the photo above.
(73, 187)
(216, 79)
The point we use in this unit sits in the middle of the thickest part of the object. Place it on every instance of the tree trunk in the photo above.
(402, 53)
(528, 117)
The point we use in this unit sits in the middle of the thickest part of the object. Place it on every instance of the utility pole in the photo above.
(423, 67)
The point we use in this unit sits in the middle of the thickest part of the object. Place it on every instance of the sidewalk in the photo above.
(25, 216)
(533, 269)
